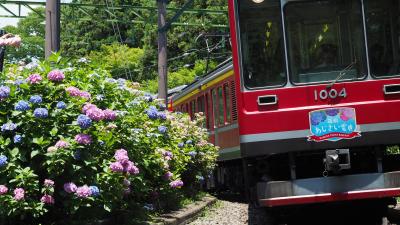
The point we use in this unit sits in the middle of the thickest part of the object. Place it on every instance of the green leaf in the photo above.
(34, 153)
(107, 208)
(14, 152)
(54, 131)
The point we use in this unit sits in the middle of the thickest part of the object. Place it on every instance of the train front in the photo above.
(318, 86)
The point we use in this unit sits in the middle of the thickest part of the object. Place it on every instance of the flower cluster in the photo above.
(56, 75)
(123, 164)
(10, 126)
(35, 99)
(75, 92)
(84, 139)
(153, 113)
(176, 184)
(84, 191)
(10, 40)
(3, 160)
(34, 78)
(84, 121)
(22, 106)
(4, 92)
(41, 113)
(19, 194)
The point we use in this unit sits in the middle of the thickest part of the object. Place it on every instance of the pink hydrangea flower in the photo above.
(55, 75)
(84, 94)
(48, 183)
(121, 155)
(116, 167)
(95, 113)
(109, 115)
(19, 194)
(47, 199)
(73, 91)
(83, 192)
(84, 139)
(34, 78)
(62, 144)
(70, 187)
(87, 106)
(3, 189)
(176, 184)
(131, 168)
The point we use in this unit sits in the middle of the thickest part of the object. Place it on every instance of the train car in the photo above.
(317, 94)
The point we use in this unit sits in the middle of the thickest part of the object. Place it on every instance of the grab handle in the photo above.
(391, 89)
(267, 100)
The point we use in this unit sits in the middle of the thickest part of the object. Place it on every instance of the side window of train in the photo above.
(383, 28)
(221, 107)
(192, 108)
(215, 107)
(209, 114)
(228, 103)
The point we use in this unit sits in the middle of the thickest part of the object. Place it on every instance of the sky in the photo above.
(14, 8)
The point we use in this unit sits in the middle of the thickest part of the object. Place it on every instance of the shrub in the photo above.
(77, 145)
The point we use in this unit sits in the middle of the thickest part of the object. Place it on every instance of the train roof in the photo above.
(221, 69)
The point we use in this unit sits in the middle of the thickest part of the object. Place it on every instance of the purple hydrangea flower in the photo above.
(95, 113)
(94, 190)
(41, 113)
(73, 91)
(4, 92)
(116, 167)
(181, 144)
(84, 139)
(193, 153)
(121, 155)
(109, 115)
(3, 189)
(48, 183)
(61, 105)
(131, 168)
(162, 115)
(70, 187)
(61, 144)
(19, 194)
(84, 121)
(56, 75)
(162, 129)
(3, 160)
(168, 175)
(17, 139)
(10, 126)
(34, 78)
(168, 155)
(83, 192)
(176, 184)
(47, 199)
(35, 99)
(22, 106)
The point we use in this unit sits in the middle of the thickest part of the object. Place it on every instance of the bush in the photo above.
(77, 145)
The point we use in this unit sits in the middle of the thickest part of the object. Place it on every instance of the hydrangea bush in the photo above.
(76, 144)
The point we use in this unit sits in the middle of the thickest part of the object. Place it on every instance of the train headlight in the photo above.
(257, 1)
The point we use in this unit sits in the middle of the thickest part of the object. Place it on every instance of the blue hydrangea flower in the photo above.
(152, 112)
(162, 129)
(4, 92)
(193, 153)
(95, 190)
(35, 99)
(22, 106)
(77, 155)
(3, 160)
(111, 80)
(61, 105)
(162, 115)
(41, 113)
(189, 142)
(148, 97)
(121, 81)
(19, 82)
(162, 106)
(84, 121)
(17, 138)
(180, 145)
(10, 126)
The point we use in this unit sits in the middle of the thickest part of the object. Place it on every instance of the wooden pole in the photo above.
(52, 27)
(162, 51)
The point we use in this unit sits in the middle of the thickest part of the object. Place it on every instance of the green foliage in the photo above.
(157, 142)
(120, 60)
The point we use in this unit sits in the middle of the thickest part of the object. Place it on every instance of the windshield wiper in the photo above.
(341, 74)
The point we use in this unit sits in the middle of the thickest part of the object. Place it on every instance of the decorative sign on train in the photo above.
(333, 124)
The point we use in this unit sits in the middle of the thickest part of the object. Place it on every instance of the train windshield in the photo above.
(325, 40)
(383, 31)
(262, 43)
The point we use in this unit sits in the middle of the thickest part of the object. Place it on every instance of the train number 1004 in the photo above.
(331, 94)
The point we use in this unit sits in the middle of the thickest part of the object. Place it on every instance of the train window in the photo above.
(192, 108)
(200, 104)
(325, 40)
(215, 106)
(228, 104)
(221, 116)
(209, 114)
(262, 43)
(383, 31)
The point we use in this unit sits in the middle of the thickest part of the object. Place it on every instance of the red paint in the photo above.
(347, 196)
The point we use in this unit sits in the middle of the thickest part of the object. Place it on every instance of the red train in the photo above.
(309, 107)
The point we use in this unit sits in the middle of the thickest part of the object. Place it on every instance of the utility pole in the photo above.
(52, 27)
(162, 50)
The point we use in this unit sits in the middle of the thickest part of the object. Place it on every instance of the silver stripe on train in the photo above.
(304, 133)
